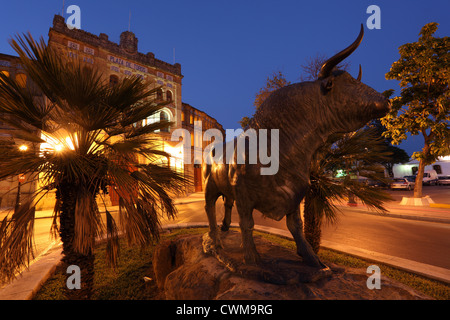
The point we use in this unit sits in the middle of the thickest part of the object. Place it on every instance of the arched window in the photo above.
(164, 117)
(169, 95)
(113, 80)
(21, 80)
(159, 95)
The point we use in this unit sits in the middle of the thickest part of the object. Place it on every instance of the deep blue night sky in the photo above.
(227, 49)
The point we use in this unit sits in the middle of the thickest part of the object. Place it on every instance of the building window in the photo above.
(414, 170)
(182, 116)
(191, 119)
(158, 117)
(438, 168)
(113, 80)
(21, 80)
(169, 95)
(163, 117)
(159, 95)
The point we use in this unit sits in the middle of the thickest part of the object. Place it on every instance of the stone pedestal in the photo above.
(184, 272)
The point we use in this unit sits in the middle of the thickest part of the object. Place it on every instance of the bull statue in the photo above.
(305, 114)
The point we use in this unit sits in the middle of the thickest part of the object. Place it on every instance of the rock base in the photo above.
(184, 272)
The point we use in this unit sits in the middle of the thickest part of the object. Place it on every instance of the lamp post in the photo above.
(21, 179)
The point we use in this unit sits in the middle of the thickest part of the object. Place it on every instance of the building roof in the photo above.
(127, 46)
(184, 105)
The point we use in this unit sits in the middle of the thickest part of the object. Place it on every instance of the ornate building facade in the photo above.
(116, 61)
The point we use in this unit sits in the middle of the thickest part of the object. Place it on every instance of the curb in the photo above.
(440, 205)
(29, 281)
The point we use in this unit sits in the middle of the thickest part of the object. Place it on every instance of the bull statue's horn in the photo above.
(328, 66)
(359, 74)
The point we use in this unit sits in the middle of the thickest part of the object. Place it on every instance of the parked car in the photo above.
(430, 177)
(377, 183)
(443, 180)
(402, 183)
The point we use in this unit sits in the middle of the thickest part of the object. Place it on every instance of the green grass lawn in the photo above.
(126, 282)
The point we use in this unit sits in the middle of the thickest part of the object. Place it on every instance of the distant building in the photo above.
(11, 67)
(116, 61)
(189, 115)
(441, 166)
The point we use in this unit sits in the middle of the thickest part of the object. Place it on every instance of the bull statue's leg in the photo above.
(246, 225)
(211, 195)
(227, 217)
(304, 249)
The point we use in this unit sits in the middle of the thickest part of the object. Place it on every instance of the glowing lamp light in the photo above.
(23, 148)
(58, 147)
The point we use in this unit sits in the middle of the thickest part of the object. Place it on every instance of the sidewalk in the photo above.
(25, 285)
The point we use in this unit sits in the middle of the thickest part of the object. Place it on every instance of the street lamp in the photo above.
(23, 148)
(21, 178)
(58, 147)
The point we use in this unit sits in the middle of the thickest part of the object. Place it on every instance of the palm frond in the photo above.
(16, 241)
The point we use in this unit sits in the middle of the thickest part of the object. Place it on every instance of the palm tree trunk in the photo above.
(66, 194)
(313, 225)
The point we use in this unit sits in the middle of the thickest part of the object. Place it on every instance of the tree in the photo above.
(423, 106)
(312, 67)
(356, 154)
(396, 154)
(274, 82)
(97, 142)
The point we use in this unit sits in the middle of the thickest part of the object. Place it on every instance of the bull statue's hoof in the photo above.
(320, 273)
(210, 247)
(252, 258)
(208, 244)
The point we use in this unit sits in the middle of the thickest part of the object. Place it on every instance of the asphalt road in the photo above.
(425, 242)
(439, 194)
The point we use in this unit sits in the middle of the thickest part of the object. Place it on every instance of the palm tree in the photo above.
(84, 136)
(357, 153)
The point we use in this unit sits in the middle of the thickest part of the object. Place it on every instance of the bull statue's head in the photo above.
(345, 94)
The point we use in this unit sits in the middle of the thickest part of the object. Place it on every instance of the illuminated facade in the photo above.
(189, 115)
(116, 61)
(10, 66)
